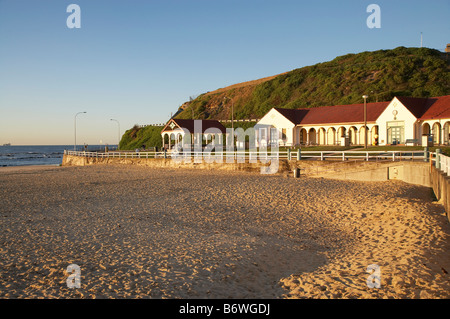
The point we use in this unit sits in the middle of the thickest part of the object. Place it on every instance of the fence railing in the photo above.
(443, 163)
(266, 155)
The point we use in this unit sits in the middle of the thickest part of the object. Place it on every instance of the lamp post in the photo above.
(118, 132)
(75, 130)
(365, 121)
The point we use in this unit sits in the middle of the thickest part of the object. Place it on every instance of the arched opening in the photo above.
(172, 140)
(331, 136)
(426, 129)
(437, 133)
(321, 136)
(303, 136)
(312, 136)
(352, 134)
(166, 140)
(178, 140)
(341, 132)
(446, 134)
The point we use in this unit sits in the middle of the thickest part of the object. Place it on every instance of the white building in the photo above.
(409, 119)
(198, 131)
(403, 120)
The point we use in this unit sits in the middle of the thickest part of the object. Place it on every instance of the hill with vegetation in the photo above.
(382, 74)
(141, 138)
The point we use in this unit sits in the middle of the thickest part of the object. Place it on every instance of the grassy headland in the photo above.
(382, 74)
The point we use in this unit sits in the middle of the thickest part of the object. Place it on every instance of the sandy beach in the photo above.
(138, 232)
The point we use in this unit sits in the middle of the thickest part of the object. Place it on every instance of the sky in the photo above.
(137, 61)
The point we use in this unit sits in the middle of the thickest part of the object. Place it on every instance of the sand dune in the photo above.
(137, 232)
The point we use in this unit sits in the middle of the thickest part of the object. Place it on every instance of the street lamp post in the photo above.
(118, 132)
(365, 121)
(75, 130)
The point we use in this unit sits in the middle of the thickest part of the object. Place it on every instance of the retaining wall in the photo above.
(441, 188)
(418, 173)
(410, 172)
(70, 160)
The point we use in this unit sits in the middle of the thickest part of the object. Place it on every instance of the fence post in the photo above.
(425, 154)
(299, 154)
(165, 153)
(367, 156)
(321, 156)
(438, 158)
(393, 156)
(343, 156)
(289, 154)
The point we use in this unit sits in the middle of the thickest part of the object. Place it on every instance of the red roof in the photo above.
(415, 105)
(353, 113)
(437, 108)
(421, 108)
(293, 115)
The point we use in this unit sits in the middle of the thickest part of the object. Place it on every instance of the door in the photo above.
(395, 135)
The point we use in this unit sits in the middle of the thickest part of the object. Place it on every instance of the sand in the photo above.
(137, 232)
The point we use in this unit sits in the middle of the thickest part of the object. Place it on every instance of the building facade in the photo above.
(404, 120)
(185, 133)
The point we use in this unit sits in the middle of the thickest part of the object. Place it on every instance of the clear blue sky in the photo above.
(138, 61)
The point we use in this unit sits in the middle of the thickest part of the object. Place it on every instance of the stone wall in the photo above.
(70, 160)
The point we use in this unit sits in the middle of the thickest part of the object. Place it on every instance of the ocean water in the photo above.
(37, 155)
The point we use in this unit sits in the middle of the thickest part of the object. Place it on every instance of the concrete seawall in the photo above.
(441, 188)
(70, 160)
(417, 173)
(410, 172)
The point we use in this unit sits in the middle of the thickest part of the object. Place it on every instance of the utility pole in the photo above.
(365, 121)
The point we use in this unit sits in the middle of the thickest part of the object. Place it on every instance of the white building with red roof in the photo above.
(196, 131)
(404, 120)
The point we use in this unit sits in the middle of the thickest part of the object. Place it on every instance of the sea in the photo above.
(22, 155)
